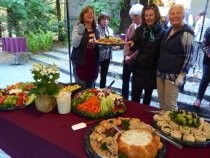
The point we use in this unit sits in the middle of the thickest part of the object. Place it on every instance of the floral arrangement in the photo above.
(45, 77)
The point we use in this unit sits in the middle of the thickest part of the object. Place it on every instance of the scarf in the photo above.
(150, 31)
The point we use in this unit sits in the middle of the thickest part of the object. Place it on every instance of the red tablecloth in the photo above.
(28, 133)
(14, 44)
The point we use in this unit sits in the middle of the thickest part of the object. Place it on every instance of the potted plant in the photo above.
(46, 88)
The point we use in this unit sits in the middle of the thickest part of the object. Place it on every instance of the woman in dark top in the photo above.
(175, 58)
(146, 40)
(85, 53)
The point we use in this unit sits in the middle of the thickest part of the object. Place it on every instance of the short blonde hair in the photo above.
(178, 6)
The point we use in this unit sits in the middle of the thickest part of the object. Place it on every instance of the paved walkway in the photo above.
(11, 74)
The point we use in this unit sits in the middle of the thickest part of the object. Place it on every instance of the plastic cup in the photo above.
(64, 102)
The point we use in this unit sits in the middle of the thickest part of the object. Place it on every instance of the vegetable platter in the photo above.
(16, 96)
(98, 103)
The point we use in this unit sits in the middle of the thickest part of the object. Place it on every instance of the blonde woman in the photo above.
(175, 56)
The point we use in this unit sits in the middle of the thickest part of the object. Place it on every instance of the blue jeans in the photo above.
(204, 81)
(125, 80)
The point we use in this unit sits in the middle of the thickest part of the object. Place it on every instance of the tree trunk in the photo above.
(0, 29)
(9, 22)
(144, 2)
(124, 16)
(58, 9)
(13, 23)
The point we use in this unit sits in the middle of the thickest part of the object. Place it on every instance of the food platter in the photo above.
(13, 108)
(195, 135)
(74, 88)
(110, 44)
(98, 103)
(110, 41)
(185, 143)
(93, 154)
(16, 97)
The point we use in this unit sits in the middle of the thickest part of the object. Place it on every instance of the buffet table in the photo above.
(28, 133)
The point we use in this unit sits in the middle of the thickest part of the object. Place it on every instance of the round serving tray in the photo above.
(182, 142)
(110, 44)
(14, 108)
(109, 114)
(96, 116)
(92, 154)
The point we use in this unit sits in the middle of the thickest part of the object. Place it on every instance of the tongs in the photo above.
(153, 111)
(116, 77)
(179, 146)
(110, 84)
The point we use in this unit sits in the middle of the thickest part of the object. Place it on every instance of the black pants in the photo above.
(125, 80)
(204, 81)
(136, 93)
(104, 71)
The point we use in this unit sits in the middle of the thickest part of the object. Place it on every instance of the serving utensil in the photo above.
(153, 111)
(110, 84)
(82, 125)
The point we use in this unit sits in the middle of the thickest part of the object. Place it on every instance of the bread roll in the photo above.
(188, 138)
(157, 117)
(185, 129)
(176, 134)
(138, 143)
(200, 138)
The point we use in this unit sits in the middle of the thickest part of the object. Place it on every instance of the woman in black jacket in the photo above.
(146, 40)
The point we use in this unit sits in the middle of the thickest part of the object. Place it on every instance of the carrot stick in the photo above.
(91, 105)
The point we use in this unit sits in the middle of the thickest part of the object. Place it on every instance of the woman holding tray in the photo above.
(85, 52)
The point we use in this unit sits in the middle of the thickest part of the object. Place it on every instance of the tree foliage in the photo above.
(29, 15)
(112, 7)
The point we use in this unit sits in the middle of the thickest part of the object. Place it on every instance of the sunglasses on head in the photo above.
(150, 7)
